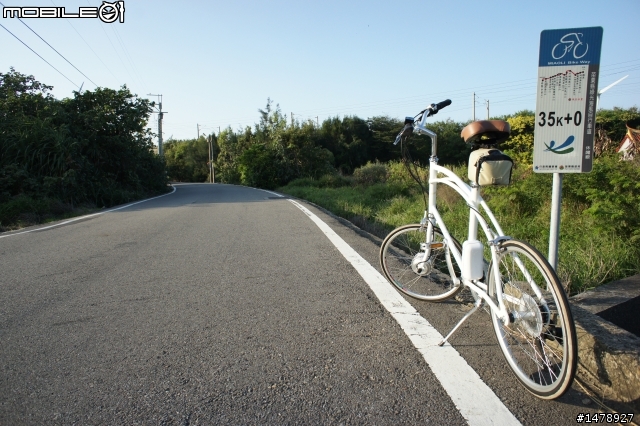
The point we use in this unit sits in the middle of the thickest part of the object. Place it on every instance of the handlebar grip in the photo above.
(443, 104)
(434, 108)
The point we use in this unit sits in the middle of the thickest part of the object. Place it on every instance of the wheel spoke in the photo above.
(405, 265)
(544, 365)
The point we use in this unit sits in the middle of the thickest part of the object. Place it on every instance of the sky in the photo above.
(217, 62)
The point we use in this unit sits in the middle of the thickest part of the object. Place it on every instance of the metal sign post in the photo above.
(566, 102)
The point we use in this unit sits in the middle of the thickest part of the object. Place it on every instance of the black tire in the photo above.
(539, 343)
(428, 280)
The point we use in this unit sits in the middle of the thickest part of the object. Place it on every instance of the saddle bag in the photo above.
(489, 166)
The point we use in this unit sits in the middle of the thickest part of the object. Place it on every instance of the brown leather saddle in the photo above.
(486, 132)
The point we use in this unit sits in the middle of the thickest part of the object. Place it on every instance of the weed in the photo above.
(597, 244)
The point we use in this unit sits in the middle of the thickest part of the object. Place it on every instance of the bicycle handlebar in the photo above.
(408, 122)
(443, 104)
(434, 108)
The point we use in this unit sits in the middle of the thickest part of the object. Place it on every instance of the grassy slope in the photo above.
(588, 255)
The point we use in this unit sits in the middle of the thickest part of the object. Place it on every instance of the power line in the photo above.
(127, 55)
(501, 94)
(25, 24)
(115, 50)
(88, 45)
(623, 71)
(39, 56)
(525, 84)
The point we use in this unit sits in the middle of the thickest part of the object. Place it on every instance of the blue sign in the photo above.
(574, 46)
(569, 66)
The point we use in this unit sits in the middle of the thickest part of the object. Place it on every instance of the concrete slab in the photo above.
(609, 295)
(609, 355)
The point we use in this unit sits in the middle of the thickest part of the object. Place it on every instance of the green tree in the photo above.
(611, 128)
(383, 131)
(348, 140)
(93, 147)
(258, 167)
(613, 121)
(115, 162)
(519, 146)
(229, 150)
(187, 160)
(34, 140)
(272, 123)
(303, 154)
(452, 149)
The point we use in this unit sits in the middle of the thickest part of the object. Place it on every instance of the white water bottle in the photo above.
(472, 260)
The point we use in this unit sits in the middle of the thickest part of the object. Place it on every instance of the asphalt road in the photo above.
(220, 304)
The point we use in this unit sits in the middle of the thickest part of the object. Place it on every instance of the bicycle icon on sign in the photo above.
(570, 42)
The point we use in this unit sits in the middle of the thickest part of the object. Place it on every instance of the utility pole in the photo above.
(212, 172)
(292, 119)
(317, 121)
(473, 104)
(160, 115)
(198, 126)
(487, 109)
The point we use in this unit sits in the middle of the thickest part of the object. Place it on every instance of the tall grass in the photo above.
(592, 249)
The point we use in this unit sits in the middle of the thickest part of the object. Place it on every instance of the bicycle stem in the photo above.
(422, 130)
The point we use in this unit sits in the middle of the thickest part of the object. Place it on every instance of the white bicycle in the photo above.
(528, 306)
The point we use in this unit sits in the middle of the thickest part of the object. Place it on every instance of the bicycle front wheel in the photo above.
(539, 342)
(402, 258)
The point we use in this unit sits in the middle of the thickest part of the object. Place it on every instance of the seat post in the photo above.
(473, 220)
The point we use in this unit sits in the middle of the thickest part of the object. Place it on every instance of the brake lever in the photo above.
(406, 130)
(398, 138)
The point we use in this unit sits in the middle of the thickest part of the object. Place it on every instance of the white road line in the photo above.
(277, 195)
(86, 216)
(475, 400)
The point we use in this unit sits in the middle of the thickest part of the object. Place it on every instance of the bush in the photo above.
(304, 182)
(260, 167)
(524, 197)
(398, 174)
(26, 210)
(370, 174)
(612, 193)
(334, 181)
(383, 192)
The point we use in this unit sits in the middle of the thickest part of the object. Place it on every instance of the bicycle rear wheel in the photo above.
(401, 260)
(539, 342)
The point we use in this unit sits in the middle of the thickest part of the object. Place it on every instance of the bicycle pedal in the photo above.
(424, 246)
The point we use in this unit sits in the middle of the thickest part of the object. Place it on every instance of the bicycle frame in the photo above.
(473, 199)
(537, 337)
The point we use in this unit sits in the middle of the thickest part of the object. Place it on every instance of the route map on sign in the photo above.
(569, 83)
(566, 100)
